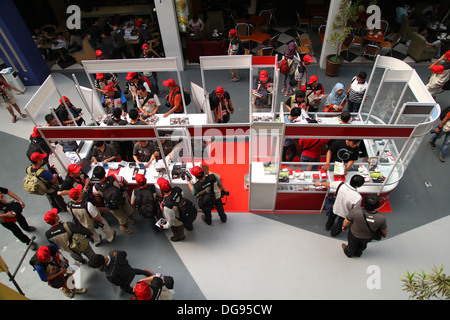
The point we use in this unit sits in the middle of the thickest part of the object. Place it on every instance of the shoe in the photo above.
(30, 229)
(441, 157)
(79, 291)
(343, 246)
(98, 244)
(204, 220)
(23, 115)
(14, 119)
(126, 230)
(33, 246)
(223, 219)
(67, 293)
(431, 145)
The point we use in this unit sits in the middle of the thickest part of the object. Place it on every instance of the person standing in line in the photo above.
(347, 199)
(356, 91)
(221, 105)
(289, 144)
(86, 214)
(11, 207)
(171, 213)
(7, 99)
(441, 74)
(358, 223)
(233, 49)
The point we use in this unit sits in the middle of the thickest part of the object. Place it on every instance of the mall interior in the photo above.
(274, 239)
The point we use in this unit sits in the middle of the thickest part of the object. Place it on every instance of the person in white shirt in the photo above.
(347, 199)
(356, 91)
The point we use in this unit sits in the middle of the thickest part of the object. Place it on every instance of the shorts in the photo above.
(123, 212)
(7, 100)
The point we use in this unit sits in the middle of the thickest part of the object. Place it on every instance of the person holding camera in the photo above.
(173, 100)
(209, 190)
(86, 214)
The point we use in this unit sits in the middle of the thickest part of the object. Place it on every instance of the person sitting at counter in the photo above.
(297, 100)
(149, 102)
(135, 118)
(310, 150)
(103, 153)
(170, 148)
(346, 151)
(262, 92)
(345, 117)
(124, 148)
(334, 101)
(144, 152)
(289, 144)
(173, 100)
(314, 93)
(113, 99)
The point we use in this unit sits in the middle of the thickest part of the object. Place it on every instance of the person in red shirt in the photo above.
(311, 149)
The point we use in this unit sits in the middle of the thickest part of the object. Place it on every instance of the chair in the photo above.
(418, 48)
(384, 25)
(390, 44)
(154, 43)
(303, 41)
(273, 41)
(347, 43)
(405, 30)
(316, 22)
(321, 32)
(268, 15)
(266, 51)
(371, 50)
(232, 15)
(301, 22)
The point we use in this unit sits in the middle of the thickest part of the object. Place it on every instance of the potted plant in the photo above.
(342, 27)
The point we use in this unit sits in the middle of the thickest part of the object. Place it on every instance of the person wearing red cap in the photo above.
(262, 92)
(441, 74)
(301, 70)
(147, 53)
(152, 288)
(170, 212)
(314, 92)
(11, 208)
(8, 100)
(63, 115)
(47, 181)
(221, 105)
(148, 102)
(174, 101)
(52, 267)
(104, 79)
(144, 199)
(75, 177)
(38, 144)
(135, 80)
(124, 211)
(60, 233)
(233, 49)
(208, 190)
(112, 99)
(87, 215)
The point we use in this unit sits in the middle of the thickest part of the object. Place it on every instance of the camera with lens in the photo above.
(185, 174)
(224, 193)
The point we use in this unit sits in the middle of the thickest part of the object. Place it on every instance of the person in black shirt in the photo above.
(344, 151)
(220, 103)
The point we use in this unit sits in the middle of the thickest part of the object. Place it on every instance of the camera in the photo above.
(224, 193)
(184, 174)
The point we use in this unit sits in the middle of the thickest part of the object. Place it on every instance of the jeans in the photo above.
(219, 207)
(353, 106)
(446, 142)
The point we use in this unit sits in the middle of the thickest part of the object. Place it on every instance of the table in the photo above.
(259, 37)
(256, 20)
(374, 36)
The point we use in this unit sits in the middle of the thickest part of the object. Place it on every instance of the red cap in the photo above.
(447, 54)
(73, 168)
(233, 32)
(75, 192)
(438, 69)
(169, 83)
(99, 75)
(65, 99)
(108, 88)
(138, 23)
(263, 75)
(307, 58)
(99, 53)
(35, 133)
(163, 184)
(140, 179)
(50, 216)
(131, 75)
(142, 291)
(35, 156)
(43, 253)
(145, 46)
(220, 90)
(197, 172)
(313, 79)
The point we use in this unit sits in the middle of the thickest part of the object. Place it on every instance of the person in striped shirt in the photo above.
(356, 91)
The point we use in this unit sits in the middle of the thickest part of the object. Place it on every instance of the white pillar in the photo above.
(327, 48)
(168, 26)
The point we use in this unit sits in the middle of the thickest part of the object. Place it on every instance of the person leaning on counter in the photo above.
(103, 152)
(344, 151)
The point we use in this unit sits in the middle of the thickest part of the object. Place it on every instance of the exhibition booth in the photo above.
(396, 114)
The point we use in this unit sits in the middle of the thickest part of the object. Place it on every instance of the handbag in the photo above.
(377, 235)
(77, 242)
(329, 201)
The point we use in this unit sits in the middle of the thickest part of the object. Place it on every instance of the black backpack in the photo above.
(113, 196)
(145, 201)
(33, 147)
(186, 95)
(188, 211)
